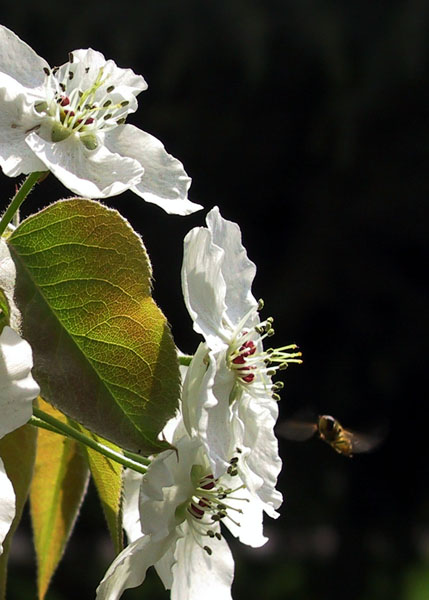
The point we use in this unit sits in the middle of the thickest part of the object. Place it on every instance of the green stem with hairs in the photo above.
(19, 198)
(45, 421)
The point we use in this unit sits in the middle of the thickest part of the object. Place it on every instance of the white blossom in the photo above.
(229, 399)
(176, 526)
(70, 120)
(17, 391)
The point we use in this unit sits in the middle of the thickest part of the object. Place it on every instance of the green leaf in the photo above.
(107, 475)
(59, 485)
(4, 311)
(18, 451)
(103, 351)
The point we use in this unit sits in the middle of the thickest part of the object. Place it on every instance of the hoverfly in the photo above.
(331, 431)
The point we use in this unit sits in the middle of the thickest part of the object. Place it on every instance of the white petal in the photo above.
(125, 79)
(131, 514)
(249, 527)
(7, 283)
(260, 463)
(218, 434)
(166, 486)
(197, 575)
(89, 173)
(198, 380)
(238, 271)
(17, 387)
(20, 61)
(205, 406)
(165, 181)
(16, 119)
(86, 68)
(129, 568)
(7, 504)
(203, 286)
(164, 567)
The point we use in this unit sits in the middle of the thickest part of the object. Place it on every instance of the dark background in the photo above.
(306, 122)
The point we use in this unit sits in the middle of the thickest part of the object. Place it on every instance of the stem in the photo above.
(185, 359)
(136, 457)
(45, 421)
(19, 198)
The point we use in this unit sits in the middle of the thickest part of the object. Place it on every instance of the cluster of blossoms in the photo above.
(224, 463)
(70, 120)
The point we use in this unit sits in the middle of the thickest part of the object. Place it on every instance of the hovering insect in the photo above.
(331, 431)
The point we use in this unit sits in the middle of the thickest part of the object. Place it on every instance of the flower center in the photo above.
(251, 364)
(210, 504)
(83, 110)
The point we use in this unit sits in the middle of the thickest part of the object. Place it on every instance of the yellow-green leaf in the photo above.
(107, 475)
(103, 351)
(18, 451)
(57, 490)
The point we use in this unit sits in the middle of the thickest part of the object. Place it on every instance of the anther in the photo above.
(110, 89)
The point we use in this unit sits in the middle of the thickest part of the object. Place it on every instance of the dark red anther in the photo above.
(209, 485)
(246, 349)
(248, 378)
(195, 511)
(64, 101)
(89, 120)
(204, 502)
(69, 113)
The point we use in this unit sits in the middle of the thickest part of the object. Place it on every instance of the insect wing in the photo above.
(362, 442)
(297, 431)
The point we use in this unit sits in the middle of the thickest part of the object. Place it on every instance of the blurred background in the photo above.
(306, 122)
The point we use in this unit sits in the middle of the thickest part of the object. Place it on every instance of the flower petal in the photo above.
(17, 387)
(205, 406)
(197, 575)
(166, 486)
(90, 173)
(129, 568)
(16, 119)
(165, 181)
(204, 288)
(248, 525)
(20, 61)
(238, 271)
(130, 509)
(260, 463)
(7, 504)
(89, 62)
(164, 567)
(86, 67)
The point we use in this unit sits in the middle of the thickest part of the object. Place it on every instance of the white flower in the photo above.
(181, 506)
(17, 391)
(70, 120)
(229, 400)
